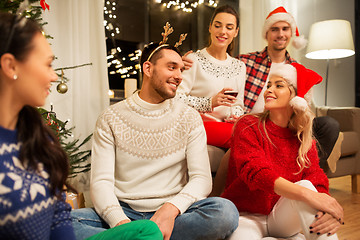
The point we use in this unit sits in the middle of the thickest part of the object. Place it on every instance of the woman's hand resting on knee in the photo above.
(330, 215)
(324, 202)
(325, 224)
(334, 213)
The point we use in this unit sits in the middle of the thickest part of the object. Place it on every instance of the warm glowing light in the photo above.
(111, 94)
(186, 5)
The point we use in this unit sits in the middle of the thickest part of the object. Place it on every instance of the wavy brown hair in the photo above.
(39, 144)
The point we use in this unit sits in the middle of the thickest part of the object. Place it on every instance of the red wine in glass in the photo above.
(232, 93)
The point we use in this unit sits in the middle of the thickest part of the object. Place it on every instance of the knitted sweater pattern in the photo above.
(27, 209)
(136, 136)
(206, 78)
(148, 154)
(255, 163)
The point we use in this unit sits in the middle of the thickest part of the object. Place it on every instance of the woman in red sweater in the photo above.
(274, 177)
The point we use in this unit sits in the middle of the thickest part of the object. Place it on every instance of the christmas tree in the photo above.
(33, 11)
(78, 158)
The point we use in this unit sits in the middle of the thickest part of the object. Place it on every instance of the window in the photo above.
(132, 24)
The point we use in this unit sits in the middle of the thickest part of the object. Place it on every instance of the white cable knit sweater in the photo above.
(148, 154)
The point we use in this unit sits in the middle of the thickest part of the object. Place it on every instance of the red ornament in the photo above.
(44, 5)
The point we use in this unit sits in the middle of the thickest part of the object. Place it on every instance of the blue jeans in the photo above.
(210, 218)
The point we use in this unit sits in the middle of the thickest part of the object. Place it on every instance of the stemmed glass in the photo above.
(230, 83)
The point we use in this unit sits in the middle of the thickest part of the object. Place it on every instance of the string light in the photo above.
(110, 13)
(186, 5)
(117, 62)
(120, 68)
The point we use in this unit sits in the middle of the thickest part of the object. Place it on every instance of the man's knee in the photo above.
(226, 212)
(326, 125)
(326, 131)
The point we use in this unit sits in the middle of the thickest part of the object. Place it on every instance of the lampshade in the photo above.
(330, 39)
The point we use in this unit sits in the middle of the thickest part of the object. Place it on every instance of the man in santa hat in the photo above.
(279, 28)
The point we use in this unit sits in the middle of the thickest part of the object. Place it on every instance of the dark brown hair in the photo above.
(39, 144)
(156, 53)
(232, 11)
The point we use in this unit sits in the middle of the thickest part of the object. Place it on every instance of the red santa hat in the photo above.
(301, 78)
(281, 15)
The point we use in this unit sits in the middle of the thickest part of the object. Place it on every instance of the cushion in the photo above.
(215, 156)
(350, 144)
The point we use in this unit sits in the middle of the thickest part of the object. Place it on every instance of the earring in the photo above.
(15, 77)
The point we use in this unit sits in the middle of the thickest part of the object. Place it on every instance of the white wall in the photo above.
(341, 78)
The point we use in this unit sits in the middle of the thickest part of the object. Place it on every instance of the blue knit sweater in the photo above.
(27, 209)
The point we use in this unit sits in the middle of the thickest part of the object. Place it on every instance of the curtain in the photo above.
(77, 28)
(79, 38)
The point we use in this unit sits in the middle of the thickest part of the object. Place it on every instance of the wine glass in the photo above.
(231, 83)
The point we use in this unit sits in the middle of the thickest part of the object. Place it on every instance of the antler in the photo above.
(182, 38)
(168, 30)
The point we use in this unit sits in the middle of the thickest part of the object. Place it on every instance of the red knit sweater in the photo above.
(255, 163)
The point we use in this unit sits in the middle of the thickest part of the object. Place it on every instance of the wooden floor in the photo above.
(340, 188)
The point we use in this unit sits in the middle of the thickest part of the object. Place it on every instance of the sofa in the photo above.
(347, 154)
(345, 158)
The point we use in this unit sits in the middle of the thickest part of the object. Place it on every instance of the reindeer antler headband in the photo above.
(167, 31)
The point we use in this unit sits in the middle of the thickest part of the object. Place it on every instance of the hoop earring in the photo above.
(15, 77)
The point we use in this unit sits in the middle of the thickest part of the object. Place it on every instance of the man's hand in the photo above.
(122, 222)
(165, 219)
(187, 61)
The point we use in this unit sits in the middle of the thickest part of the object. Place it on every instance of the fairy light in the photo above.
(118, 65)
(186, 5)
(118, 62)
(111, 93)
(110, 14)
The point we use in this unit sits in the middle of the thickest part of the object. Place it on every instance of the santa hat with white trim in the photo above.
(301, 78)
(281, 15)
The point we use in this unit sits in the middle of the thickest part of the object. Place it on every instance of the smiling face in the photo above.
(279, 36)
(35, 73)
(278, 94)
(223, 30)
(165, 75)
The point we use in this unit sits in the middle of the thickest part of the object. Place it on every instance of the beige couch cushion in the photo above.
(215, 156)
(350, 144)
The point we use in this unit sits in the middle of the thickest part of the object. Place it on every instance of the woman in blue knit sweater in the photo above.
(33, 166)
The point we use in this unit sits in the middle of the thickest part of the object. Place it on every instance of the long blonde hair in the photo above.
(301, 124)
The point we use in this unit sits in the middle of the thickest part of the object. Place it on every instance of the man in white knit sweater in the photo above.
(150, 161)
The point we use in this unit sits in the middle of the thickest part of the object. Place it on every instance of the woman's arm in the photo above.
(327, 205)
